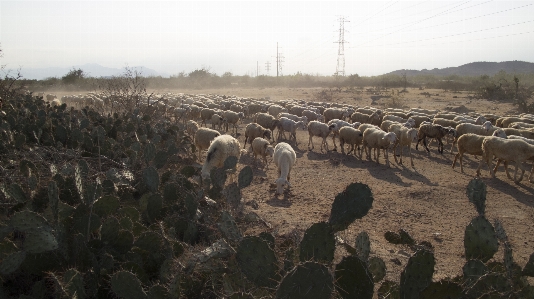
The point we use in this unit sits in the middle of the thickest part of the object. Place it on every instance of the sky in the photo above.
(242, 37)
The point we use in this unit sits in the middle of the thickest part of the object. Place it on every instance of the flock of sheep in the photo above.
(508, 139)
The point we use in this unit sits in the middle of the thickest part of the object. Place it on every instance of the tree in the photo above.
(9, 84)
(73, 76)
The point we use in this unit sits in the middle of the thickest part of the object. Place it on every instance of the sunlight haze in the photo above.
(171, 37)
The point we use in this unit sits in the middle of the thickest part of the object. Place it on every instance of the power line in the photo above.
(340, 68)
(414, 23)
(458, 34)
(478, 39)
(372, 16)
(279, 61)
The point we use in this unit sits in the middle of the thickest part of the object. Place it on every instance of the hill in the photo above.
(474, 69)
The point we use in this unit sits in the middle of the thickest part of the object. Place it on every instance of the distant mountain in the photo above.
(92, 70)
(475, 69)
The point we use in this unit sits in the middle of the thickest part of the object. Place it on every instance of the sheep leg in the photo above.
(456, 158)
(334, 140)
(395, 154)
(479, 165)
(489, 160)
(519, 165)
(386, 156)
(531, 173)
(452, 146)
(310, 141)
(424, 143)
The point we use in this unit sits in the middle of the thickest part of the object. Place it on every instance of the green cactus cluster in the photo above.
(124, 217)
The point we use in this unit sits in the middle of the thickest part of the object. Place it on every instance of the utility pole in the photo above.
(268, 67)
(340, 68)
(279, 60)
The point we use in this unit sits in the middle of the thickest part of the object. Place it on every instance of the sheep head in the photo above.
(280, 184)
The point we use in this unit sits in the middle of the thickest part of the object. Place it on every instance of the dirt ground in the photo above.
(429, 200)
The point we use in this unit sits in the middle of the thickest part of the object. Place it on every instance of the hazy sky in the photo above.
(171, 37)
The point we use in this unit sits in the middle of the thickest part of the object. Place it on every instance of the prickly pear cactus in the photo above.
(233, 195)
(218, 177)
(245, 177)
(480, 241)
(353, 279)
(349, 205)
(363, 246)
(151, 178)
(106, 205)
(473, 270)
(490, 283)
(154, 206)
(417, 275)
(12, 262)
(528, 270)
(150, 152)
(309, 280)
(378, 269)
(53, 198)
(318, 243)
(161, 159)
(389, 289)
(228, 227)
(393, 237)
(476, 192)
(74, 285)
(230, 163)
(126, 285)
(15, 191)
(442, 290)
(158, 292)
(257, 261)
(508, 259)
(499, 231)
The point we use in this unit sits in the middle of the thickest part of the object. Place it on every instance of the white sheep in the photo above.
(254, 130)
(284, 158)
(363, 118)
(340, 124)
(472, 144)
(405, 137)
(377, 139)
(274, 110)
(294, 117)
(191, 128)
(507, 150)
(351, 136)
(222, 147)
(203, 139)
(263, 148)
(233, 118)
(205, 114)
(217, 121)
(332, 113)
(290, 126)
(55, 102)
(465, 128)
(527, 140)
(319, 129)
(311, 115)
(519, 132)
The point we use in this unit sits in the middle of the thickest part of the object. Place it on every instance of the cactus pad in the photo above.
(161, 159)
(257, 261)
(74, 285)
(377, 267)
(230, 163)
(309, 280)
(442, 290)
(27, 220)
(151, 178)
(39, 240)
(245, 177)
(108, 187)
(53, 199)
(476, 192)
(218, 177)
(473, 269)
(110, 229)
(228, 227)
(349, 205)
(12, 262)
(318, 243)
(490, 282)
(353, 279)
(480, 241)
(418, 274)
(233, 195)
(528, 270)
(124, 241)
(153, 208)
(363, 246)
(389, 289)
(126, 285)
(499, 231)
(130, 212)
(106, 205)
(158, 292)
(150, 152)
(15, 191)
